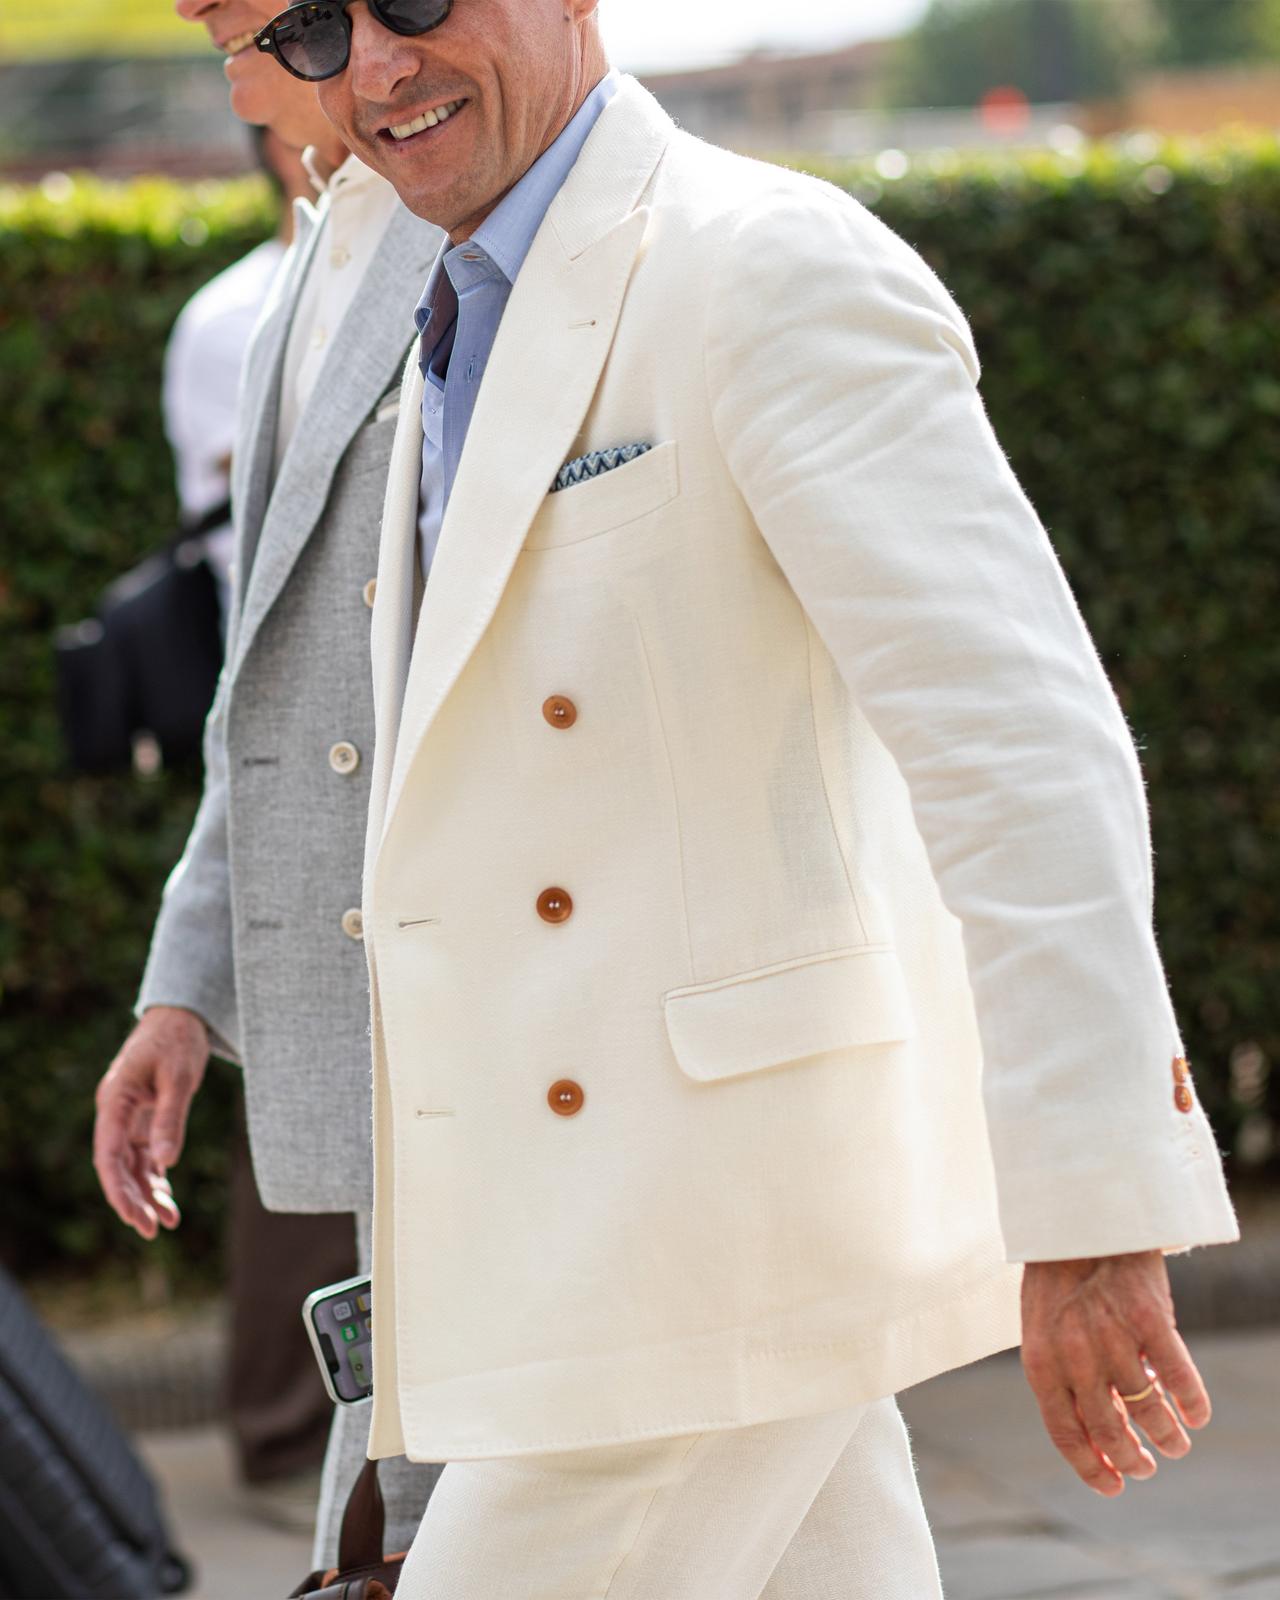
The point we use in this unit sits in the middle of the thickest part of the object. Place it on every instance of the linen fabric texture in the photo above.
(250, 933)
(860, 984)
(358, 206)
(816, 1508)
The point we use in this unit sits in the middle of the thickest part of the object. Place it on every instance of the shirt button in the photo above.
(1183, 1098)
(1180, 1070)
(566, 1098)
(344, 758)
(554, 905)
(318, 337)
(369, 591)
(353, 923)
(559, 711)
(339, 256)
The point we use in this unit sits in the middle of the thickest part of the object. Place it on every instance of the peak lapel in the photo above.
(253, 463)
(551, 348)
(393, 611)
(363, 359)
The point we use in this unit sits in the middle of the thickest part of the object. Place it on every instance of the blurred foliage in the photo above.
(35, 30)
(92, 279)
(1056, 50)
(1200, 33)
(1051, 50)
(1128, 313)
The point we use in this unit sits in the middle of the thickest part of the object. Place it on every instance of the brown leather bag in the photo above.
(363, 1571)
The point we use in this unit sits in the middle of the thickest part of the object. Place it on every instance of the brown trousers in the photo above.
(279, 1411)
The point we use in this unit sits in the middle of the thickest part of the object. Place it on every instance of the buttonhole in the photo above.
(424, 1115)
(416, 922)
(260, 925)
(260, 761)
(590, 323)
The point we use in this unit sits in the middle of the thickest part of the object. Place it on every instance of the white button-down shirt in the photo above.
(359, 203)
(201, 384)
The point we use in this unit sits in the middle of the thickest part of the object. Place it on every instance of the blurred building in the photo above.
(113, 86)
(150, 96)
(829, 105)
(1192, 104)
(768, 101)
(118, 117)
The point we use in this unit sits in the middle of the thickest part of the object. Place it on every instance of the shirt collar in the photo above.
(352, 173)
(506, 235)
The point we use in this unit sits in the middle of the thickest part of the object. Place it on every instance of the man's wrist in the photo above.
(181, 1014)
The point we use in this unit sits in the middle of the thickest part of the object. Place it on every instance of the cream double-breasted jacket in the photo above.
(856, 1001)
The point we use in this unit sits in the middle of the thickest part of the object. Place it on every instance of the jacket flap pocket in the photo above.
(608, 501)
(784, 1013)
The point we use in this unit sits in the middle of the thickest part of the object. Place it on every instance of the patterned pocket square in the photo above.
(583, 468)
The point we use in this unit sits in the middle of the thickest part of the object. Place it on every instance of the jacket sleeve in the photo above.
(843, 387)
(191, 962)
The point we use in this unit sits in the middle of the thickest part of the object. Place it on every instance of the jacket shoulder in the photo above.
(755, 234)
(757, 209)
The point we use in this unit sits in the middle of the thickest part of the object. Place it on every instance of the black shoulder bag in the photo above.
(148, 661)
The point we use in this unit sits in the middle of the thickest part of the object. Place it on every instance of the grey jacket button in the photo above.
(353, 923)
(344, 758)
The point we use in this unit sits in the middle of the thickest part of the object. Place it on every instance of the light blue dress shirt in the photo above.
(458, 316)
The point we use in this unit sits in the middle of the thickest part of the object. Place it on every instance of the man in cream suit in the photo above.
(757, 894)
(257, 952)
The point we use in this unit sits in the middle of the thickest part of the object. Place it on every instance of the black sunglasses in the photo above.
(313, 40)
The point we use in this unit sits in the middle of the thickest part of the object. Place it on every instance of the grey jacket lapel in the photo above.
(253, 461)
(363, 362)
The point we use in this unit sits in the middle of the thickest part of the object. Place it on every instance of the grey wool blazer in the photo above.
(259, 929)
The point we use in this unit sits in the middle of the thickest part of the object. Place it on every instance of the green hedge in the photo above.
(1126, 307)
(1127, 312)
(91, 279)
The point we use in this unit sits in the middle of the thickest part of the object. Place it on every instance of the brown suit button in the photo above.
(1180, 1072)
(1183, 1098)
(554, 905)
(560, 711)
(565, 1098)
(369, 591)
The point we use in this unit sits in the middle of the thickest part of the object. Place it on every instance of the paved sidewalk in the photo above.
(233, 1555)
(1012, 1522)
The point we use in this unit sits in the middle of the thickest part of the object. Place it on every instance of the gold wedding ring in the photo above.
(1132, 1399)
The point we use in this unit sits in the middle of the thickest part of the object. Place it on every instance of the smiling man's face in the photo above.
(507, 74)
(261, 93)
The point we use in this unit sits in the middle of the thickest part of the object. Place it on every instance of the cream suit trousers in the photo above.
(813, 1508)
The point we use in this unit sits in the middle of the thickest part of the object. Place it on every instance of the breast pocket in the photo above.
(840, 1000)
(609, 501)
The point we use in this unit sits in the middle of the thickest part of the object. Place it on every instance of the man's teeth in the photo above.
(242, 41)
(428, 119)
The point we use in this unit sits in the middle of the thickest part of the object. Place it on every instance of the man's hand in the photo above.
(143, 1101)
(1093, 1331)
